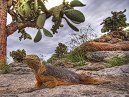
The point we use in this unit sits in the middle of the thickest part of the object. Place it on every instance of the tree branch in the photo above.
(11, 28)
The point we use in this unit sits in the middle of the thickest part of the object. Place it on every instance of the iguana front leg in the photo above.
(38, 85)
(49, 81)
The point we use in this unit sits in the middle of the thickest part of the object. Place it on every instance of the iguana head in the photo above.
(33, 61)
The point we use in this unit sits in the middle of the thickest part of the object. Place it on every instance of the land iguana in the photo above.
(50, 76)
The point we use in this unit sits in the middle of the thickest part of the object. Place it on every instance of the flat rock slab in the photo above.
(103, 55)
(115, 71)
(12, 85)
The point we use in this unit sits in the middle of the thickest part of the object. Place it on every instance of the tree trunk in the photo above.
(3, 33)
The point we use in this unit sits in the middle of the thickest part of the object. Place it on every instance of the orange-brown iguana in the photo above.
(50, 76)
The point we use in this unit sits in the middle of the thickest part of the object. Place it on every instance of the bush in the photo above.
(61, 50)
(77, 56)
(81, 63)
(53, 57)
(118, 61)
(18, 55)
(4, 68)
(44, 62)
(115, 22)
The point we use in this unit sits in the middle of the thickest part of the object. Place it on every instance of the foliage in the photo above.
(4, 68)
(86, 34)
(77, 55)
(18, 55)
(81, 63)
(61, 50)
(36, 11)
(126, 29)
(53, 57)
(38, 36)
(117, 61)
(115, 22)
(44, 62)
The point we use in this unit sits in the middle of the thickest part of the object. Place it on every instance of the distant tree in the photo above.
(115, 22)
(33, 13)
(61, 50)
(18, 55)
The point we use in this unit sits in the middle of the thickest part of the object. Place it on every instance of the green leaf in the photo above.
(28, 36)
(47, 33)
(75, 15)
(71, 25)
(75, 22)
(24, 10)
(41, 20)
(103, 30)
(76, 3)
(43, 8)
(36, 5)
(38, 36)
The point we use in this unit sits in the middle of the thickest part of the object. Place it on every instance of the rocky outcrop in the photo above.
(103, 55)
(114, 37)
(102, 46)
(112, 41)
(115, 71)
(94, 66)
(19, 68)
(63, 63)
(12, 85)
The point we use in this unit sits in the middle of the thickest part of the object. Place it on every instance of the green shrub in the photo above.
(81, 63)
(53, 57)
(116, 21)
(78, 55)
(18, 55)
(44, 62)
(4, 68)
(118, 61)
(61, 50)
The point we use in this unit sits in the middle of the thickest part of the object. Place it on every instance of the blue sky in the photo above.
(95, 11)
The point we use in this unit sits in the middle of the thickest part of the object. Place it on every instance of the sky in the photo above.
(95, 12)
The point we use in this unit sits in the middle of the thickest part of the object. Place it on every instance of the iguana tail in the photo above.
(91, 80)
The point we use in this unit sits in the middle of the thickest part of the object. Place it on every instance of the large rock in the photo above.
(94, 66)
(19, 68)
(63, 63)
(115, 71)
(21, 86)
(103, 46)
(114, 37)
(103, 55)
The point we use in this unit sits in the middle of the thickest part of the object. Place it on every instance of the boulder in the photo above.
(94, 66)
(103, 55)
(19, 68)
(104, 46)
(114, 37)
(12, 85)
(63, 63)
(115, 71)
